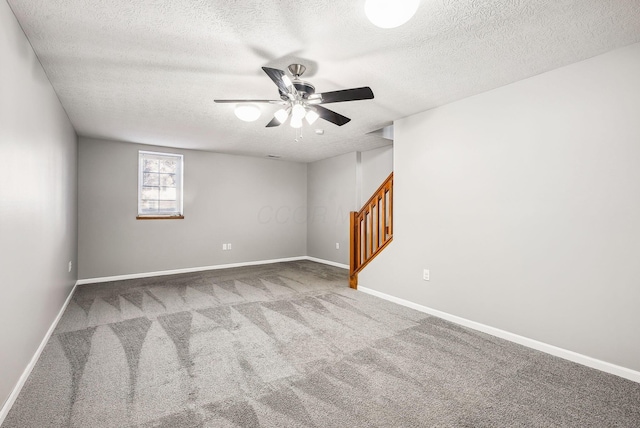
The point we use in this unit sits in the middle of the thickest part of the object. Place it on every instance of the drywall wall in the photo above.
(524, 203)
(257, 205)
(331, 189)
(376, 165)
(335, 187)
(38, 148)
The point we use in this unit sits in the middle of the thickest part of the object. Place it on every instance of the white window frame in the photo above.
(177, 214)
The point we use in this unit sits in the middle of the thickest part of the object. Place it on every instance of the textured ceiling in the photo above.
(148, 71)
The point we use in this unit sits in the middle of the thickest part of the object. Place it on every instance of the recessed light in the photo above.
(320, 131)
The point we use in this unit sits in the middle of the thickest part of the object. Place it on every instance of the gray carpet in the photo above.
(289, 345)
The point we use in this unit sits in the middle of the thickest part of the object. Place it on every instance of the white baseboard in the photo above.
(512, 337)
(204, 268)
(187, 270)
(16, 390)
(327, 262)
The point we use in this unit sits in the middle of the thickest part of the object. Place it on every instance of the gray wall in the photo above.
(524, 203)
(267, 209)
(38, 231)
(376, 165)
(331, 190)
(257, 205)
(335, 187)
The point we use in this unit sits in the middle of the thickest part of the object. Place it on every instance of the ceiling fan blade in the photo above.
(274, 122)
(276, 75)
(331, 116)
(364, 93)
(250, 101)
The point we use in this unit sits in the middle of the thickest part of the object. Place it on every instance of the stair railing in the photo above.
(371, 229)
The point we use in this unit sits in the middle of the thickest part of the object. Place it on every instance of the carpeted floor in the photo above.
(289, 345)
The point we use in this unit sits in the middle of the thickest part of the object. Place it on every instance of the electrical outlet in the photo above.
(425, 274)
(224, 247)
(70, 266)
(228, 246)
(337, 245)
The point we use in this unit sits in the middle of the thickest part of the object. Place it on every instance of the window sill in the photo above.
(160, 217)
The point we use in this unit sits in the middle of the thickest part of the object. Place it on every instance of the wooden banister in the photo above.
(371, 229)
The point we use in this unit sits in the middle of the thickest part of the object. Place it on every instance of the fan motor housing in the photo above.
(304, 89)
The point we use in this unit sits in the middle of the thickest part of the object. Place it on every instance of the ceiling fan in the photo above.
(300, 101)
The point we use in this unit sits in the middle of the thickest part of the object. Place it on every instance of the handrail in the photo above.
(371, 229)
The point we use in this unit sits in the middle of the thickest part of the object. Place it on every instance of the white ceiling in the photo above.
(147, 71)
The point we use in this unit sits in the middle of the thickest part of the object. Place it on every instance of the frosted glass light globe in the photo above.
(390, 13)
(281, 115)
(298, 112)
(312, 116)
(295, 123)
(247, 112)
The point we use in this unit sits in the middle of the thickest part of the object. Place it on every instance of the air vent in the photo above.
(273, 156)
(386, 132)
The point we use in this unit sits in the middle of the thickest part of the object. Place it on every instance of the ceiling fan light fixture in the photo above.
(296, 122)
(247, 112)
(297, 100)
(298, 112)
(281, 115)
(311, 117)
(390, 13)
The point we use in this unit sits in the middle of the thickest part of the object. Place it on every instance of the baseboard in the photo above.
(512, 337)
(186, 270)
(327, 262)
(27, 371)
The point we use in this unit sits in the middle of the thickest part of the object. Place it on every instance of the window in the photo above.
(159, 185)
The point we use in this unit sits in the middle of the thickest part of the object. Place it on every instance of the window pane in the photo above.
(150, 179)
(151, 165)
(167, 180)
(167, 194)
(168, 165)
(168, 206)
(149, 207)
(149, 193)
